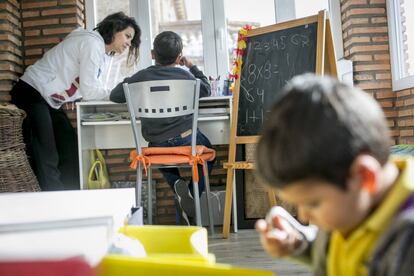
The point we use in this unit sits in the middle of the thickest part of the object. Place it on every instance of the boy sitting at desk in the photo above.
(175, 131)
(326, 147)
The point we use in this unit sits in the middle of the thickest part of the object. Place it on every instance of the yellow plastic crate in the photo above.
(171, 250)
(128, 266)
(173, 242)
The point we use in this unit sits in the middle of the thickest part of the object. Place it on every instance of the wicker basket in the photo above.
(16, 174)
(11, 119)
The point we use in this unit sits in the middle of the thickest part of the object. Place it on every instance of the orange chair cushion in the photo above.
(177, 155)
(173, 155)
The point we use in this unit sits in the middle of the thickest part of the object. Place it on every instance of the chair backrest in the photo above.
(162, 99)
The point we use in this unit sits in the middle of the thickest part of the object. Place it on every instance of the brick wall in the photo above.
(11, 57)
(365, 37)
(405, 116)
(45, 23)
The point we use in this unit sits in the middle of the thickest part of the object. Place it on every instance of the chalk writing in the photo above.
(271, 60)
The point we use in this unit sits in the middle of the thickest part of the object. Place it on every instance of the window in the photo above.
(303, 9)
(183, 18)
(208, 27)
(401, 31)
(106, 7)
(246, 12)
(117, 68)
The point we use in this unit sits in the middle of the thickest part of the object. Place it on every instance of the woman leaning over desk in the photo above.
(68, 72)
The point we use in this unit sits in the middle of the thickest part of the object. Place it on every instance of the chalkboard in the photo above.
(270, 60)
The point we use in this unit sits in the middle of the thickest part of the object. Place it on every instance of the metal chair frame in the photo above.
(164, 99)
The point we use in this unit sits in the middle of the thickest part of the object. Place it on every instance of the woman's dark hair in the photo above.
(167, 47)
(315, 130)
(118, 22)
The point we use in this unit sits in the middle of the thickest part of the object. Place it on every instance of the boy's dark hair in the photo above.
(118, 22)
(167, 47)
(316, 129)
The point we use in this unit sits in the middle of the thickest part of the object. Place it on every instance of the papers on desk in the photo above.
(102, 116)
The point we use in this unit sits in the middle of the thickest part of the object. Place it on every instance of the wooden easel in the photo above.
(325, 62)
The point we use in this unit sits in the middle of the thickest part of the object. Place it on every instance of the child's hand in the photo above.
(280, 239)
(185, 62)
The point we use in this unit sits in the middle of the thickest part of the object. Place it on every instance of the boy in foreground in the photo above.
(325, 147)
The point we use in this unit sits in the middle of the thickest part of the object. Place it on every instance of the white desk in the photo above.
(214, 122)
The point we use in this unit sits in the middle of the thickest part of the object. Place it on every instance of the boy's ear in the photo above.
(152, 54)
(364, 172)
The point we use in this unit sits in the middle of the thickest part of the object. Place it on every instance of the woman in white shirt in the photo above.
(68, 72)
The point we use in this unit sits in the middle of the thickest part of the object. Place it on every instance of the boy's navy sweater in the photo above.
(160, 130)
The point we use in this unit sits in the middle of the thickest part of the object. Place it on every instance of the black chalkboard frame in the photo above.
(325, 63)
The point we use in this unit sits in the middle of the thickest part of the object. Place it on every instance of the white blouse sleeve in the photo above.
(92, 61)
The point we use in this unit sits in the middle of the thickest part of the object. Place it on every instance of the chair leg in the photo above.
(149, 189)
(138, 187)
(209, 205)
(235, 225)
(197, 202)
(136, 217)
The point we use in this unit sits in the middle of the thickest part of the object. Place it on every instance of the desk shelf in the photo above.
(127, 122)
(214, 122)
